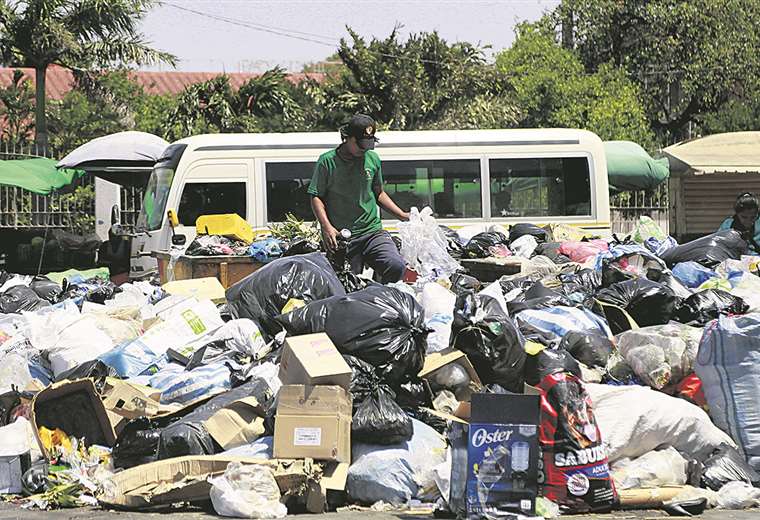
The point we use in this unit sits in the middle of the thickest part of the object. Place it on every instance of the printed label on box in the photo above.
(307, 436)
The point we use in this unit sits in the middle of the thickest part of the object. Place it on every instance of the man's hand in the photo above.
(330, 238)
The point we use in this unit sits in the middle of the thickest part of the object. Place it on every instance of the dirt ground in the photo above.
(12, 512)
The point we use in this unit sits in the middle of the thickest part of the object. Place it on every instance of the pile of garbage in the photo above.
(606, 374)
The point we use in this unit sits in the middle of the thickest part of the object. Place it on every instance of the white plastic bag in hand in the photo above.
(247, 492)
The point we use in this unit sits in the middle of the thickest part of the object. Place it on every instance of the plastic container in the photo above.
(230, 225)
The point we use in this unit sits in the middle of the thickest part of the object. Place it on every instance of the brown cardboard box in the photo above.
(238, 423)
(313, 360)
(313, 422)
(438, 360)
(84, 417)
(185, 479)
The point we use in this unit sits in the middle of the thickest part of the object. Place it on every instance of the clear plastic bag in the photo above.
(647, 228)
(524, 246)
(662, 354)
(247, 492)
(738, 495)
(654, 469)
(424, 245)
(438, 303)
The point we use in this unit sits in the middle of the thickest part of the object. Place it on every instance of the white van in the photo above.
(467, 177)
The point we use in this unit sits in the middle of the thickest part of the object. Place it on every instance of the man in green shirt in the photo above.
(346, 190)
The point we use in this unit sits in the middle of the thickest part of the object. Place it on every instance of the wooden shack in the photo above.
(706, 176)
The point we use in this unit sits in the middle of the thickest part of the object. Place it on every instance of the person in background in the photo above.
(745, 221)
(346, 192)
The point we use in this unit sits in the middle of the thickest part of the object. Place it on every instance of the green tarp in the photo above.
(36, 175)
(630, 168)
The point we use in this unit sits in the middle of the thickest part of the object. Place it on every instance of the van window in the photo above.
(450, 187)
(287, 185)
(540, 187)
(211, 198)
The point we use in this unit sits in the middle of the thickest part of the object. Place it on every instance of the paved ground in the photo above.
(11, 512)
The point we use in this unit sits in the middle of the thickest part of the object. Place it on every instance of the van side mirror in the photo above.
(173, 220)
(115, 215)
(179, 240)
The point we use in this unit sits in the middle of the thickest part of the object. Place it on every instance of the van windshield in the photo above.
(157, 191)
(154, 202)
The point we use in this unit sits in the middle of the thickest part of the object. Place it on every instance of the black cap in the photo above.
(362, 127)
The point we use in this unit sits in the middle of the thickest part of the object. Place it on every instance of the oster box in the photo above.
(502, 455)
(575, 473)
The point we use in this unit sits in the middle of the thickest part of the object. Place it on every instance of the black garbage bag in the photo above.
(308, 319)
(648, 302)
(453, 242)
(363, 379)
(46, 289)
(518, 230)
(619, 269)
(262, 295)
(20, 298)
(382, 326)
(413, 394)
(550, 361)
(705, 306)
(188, 436)
(301, 246)
(523, 282)
(461, 282)
(95, 290)
(479, 245)
(551, 251)
(379, 420)
(586, 280)
(593, 350)
(426, 416)
(709, 250)
(137, 443)
(95, 369)
(490, 339)
(725, 465)
(538, 297)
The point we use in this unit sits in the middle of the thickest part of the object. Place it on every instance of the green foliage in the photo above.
(17, 110)
(552, 89)
(688, 56)
(421, 83)
(77, 34)
(271, 100)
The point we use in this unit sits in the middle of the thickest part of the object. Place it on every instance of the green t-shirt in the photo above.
(347, 189)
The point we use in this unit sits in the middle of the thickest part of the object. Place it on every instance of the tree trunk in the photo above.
(568, 28)
(40, 118)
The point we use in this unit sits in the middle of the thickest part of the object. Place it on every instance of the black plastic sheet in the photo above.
(453, 242)
(308, 319)
(549, 361)
(20, 298)
(593, 350)
(726, 465)
(262, 295)
(46, 289)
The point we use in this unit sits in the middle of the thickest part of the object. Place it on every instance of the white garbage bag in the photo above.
(423, 245)
(635, 420)
(248, 491)
(654, 469)
(524, 246)
(738, 495)
(438, 303)
(80, 341)
(661, 355)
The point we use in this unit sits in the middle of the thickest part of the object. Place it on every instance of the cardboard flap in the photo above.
(438, 360)
(238, 423)
(131, 401)
(201, 288)
(313, 400)
(334, 476)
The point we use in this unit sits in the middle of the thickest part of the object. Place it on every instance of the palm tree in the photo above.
(76, 34)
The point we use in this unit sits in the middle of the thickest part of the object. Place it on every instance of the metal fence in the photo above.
(626, 208)
(21, 209)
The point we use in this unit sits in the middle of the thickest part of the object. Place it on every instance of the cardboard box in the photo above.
(313, 422)
(502, 454)
(200, 288)
(313, 360)
(238, 423)
(75, 408)
(438, 360)
(185, 480)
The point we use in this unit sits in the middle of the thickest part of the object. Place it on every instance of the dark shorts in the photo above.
(378, 251)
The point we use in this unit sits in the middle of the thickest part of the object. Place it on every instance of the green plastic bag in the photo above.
(647, 228)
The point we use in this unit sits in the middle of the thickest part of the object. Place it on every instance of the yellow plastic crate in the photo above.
(229, 225)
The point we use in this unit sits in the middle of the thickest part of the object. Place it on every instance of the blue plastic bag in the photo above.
(180, 386)
(560, 320)
(692, 274)
(265, 250)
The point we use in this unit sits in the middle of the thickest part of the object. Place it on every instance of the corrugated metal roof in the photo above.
(59, 80)
(720, 153)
